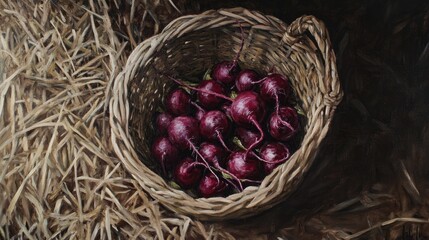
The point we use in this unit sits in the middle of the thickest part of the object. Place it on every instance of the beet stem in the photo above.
(198, 106)
(219, 136)
(259, 81)
(218, 167)
(198, 163)
(240, 186)
(257, 141)
(272, 162)
(251, 181)
(278, 112)
(199, 90)
(279, 117)
(286, 123)
(164, 171)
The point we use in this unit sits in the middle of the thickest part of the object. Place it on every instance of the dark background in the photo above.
(379, 139)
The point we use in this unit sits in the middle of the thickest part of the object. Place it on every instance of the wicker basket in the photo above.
(190, 45)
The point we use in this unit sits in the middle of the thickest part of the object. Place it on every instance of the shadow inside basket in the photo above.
(191, 55)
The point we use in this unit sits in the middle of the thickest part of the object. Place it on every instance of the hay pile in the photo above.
(59, 178)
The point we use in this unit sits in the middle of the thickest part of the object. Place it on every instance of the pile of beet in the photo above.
(226, 133)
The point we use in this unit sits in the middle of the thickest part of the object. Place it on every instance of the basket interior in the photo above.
(190, 55)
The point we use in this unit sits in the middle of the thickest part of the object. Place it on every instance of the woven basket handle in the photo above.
(309, 24)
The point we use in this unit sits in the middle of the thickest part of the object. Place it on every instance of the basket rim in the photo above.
(216, 208)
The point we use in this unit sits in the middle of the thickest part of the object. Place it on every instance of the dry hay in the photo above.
(59, 178)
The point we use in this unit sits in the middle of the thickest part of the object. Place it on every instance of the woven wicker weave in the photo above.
(186, 48)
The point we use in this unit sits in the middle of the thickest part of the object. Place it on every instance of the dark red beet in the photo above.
(183, 132)
(178, 102)
(284, 125)
(187, 173)
(275, 87)
(162, 122)
(274, 154)
(210, 186)
(242, 167)
(226, 72)
(248, 109)
(214, 155)
(247, 136)
(214, 126)
(165, 153)
(246, 80)
(209, 101)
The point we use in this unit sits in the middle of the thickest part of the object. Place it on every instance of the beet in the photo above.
(210, 187)
(165, 153)
(246, 80)
(243, 167)
(178, 102)
(215, 126)
(247, 136)
(187, 173)
(210, 101)
(275, 87)
(226, 72)
(213, 154)
(162, 122)
(274, 154)
(183, 132)
(284, 125)
(247, 108)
